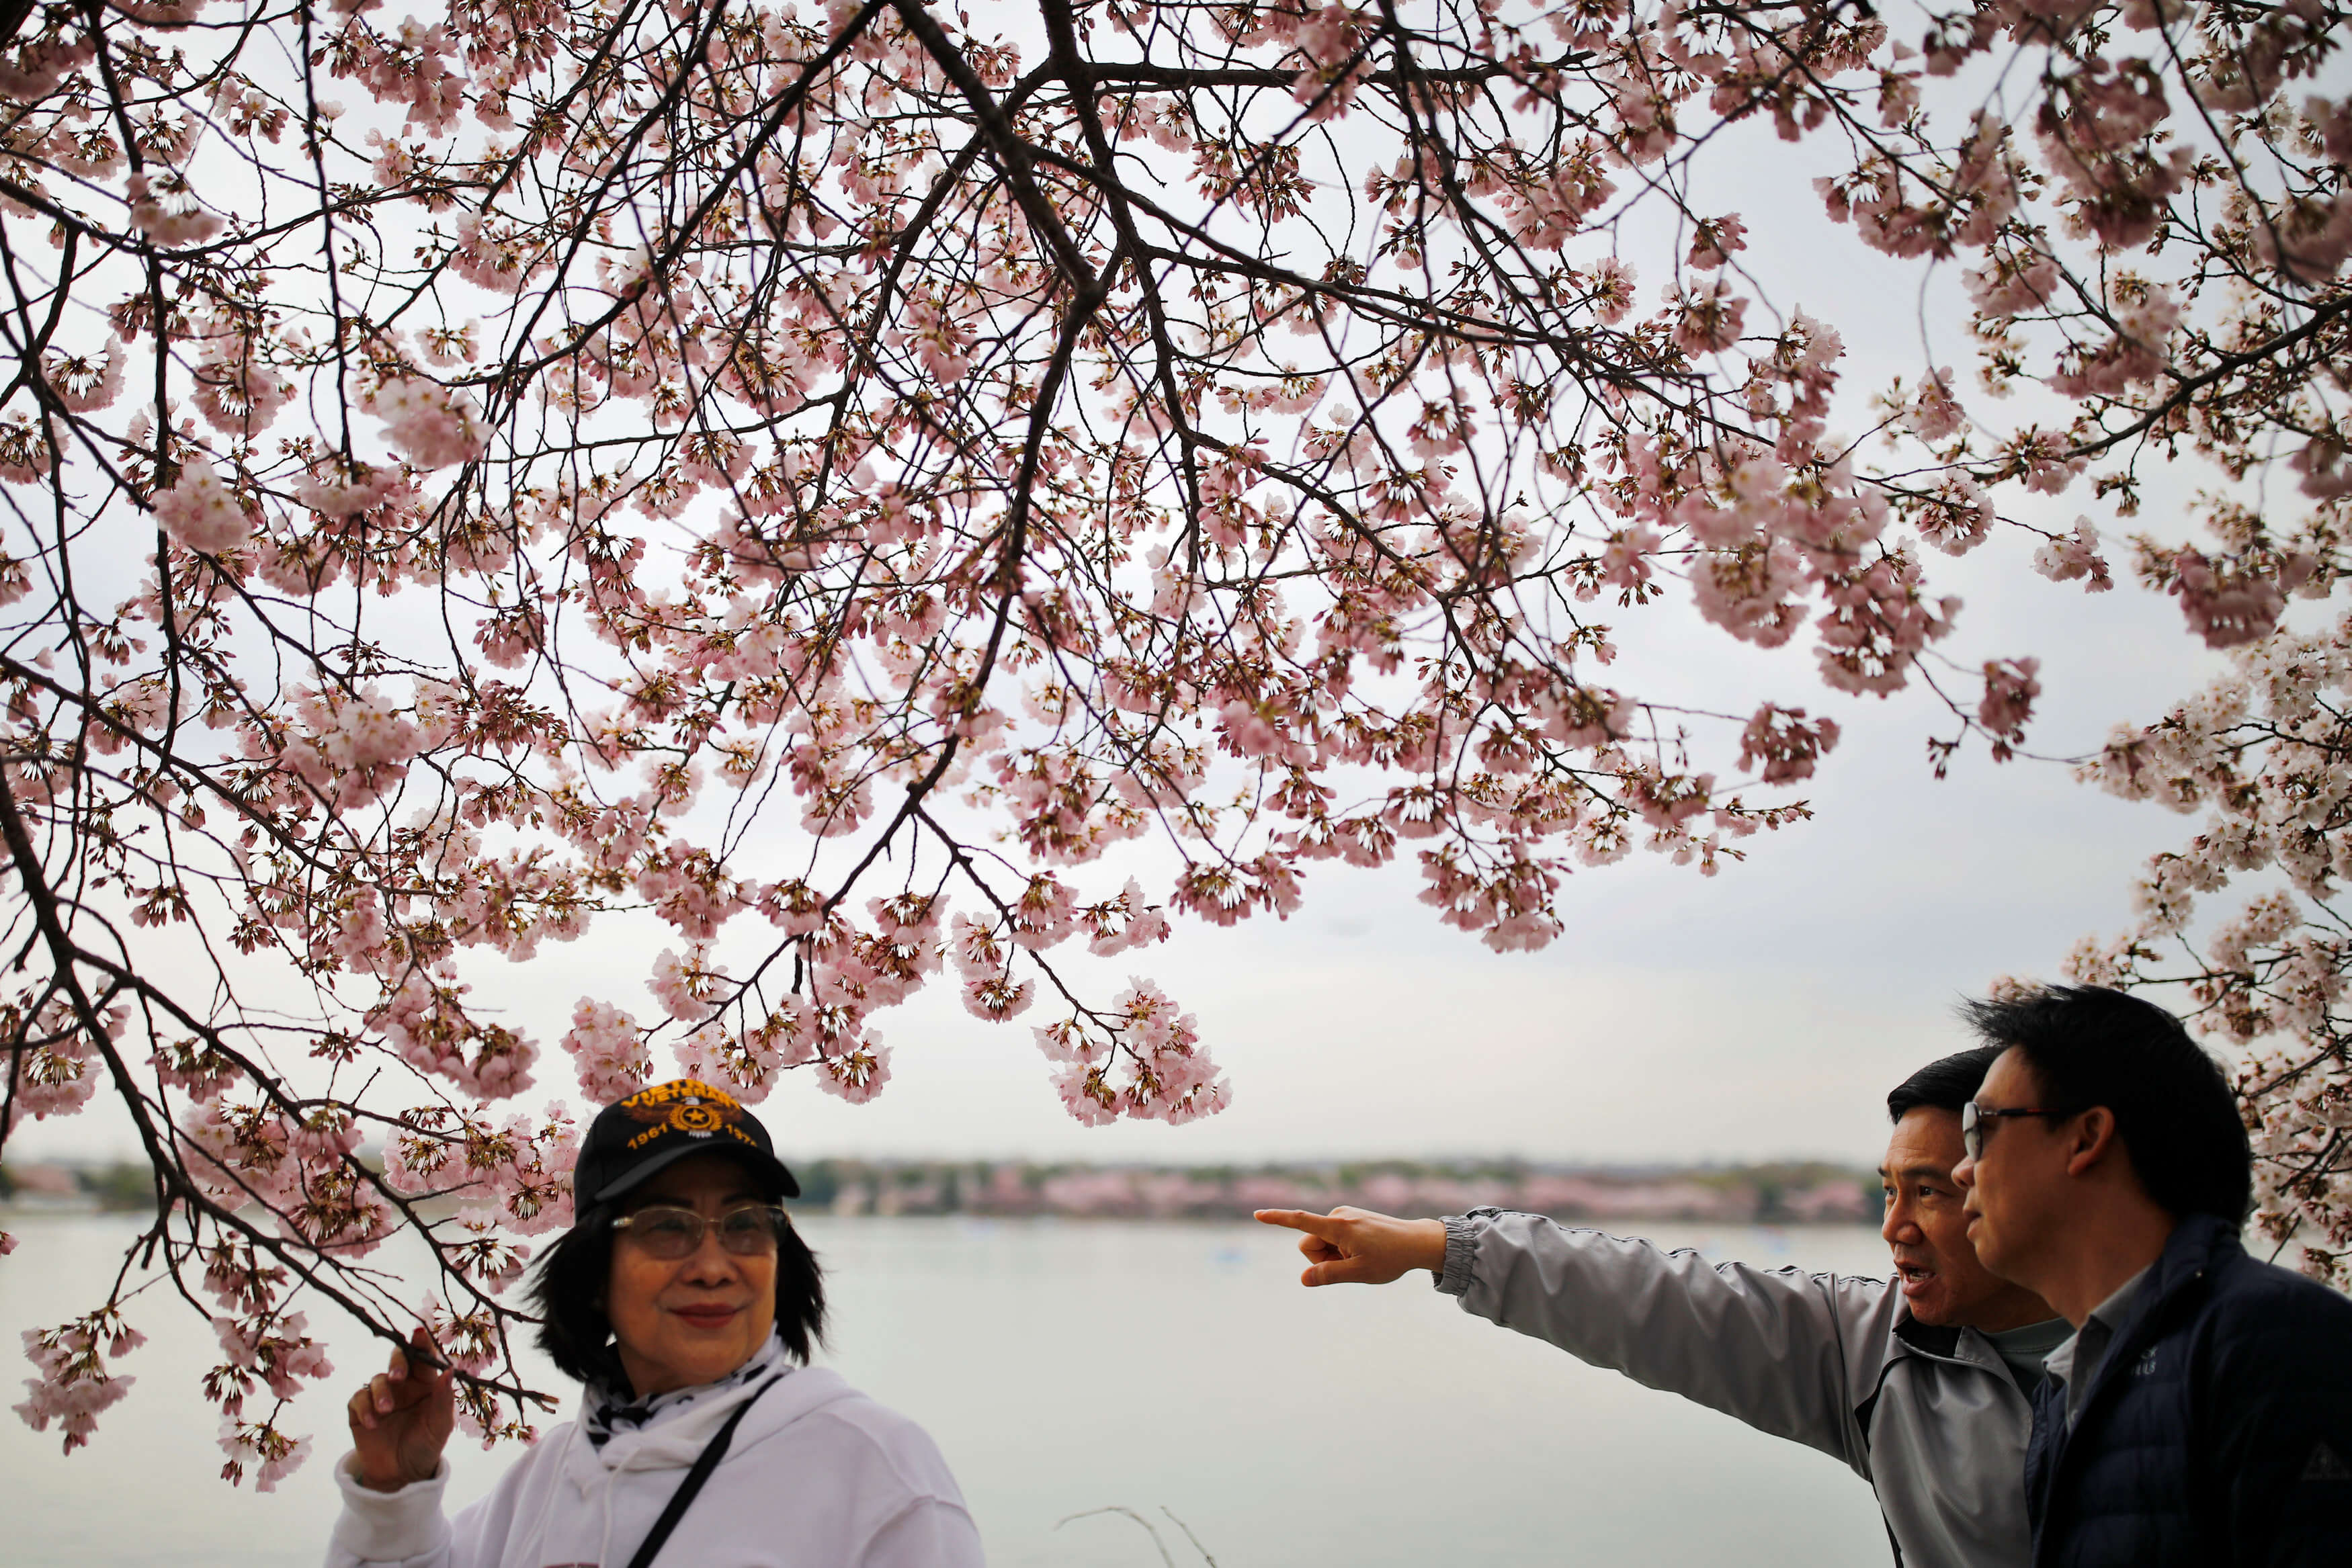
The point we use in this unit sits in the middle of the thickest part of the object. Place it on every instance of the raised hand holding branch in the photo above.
(401, 1421)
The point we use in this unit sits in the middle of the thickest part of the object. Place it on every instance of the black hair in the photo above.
(2175, 1113)
(1946, 1083)
(567, 1290)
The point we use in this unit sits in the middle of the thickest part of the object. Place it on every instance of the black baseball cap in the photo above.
(633, 1140)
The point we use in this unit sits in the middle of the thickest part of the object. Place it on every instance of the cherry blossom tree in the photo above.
(888, 493)
(2188, 301)
(2265, 756)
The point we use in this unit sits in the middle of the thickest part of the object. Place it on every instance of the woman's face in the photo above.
(685, 1321)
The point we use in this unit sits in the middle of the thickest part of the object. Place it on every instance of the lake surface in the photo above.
(1067, 1366)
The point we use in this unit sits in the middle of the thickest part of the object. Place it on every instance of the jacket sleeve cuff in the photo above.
(1461, 1250)
(391, 1526)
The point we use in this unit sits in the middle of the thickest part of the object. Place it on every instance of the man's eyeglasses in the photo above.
(750, 1231)
(1975, 1120)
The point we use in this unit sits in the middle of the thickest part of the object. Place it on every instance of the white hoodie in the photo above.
(818, 1476)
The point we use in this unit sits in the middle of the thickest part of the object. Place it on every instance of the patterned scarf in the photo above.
(609, 1410)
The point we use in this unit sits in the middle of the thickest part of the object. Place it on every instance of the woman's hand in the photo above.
(402, 1420)
(1357, 1246)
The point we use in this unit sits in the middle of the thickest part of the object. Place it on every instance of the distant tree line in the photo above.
(1785, 1192)
(119, 1186)
(1788, 1192)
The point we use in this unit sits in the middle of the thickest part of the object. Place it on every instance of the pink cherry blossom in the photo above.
(2010, 688)
(1789, 747)
(609, 1051)
(856, 1075)
(432, 428)
(997, 997)
(202, 513)
(73, 1385)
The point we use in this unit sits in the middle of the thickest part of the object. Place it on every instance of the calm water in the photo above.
(1064, 1367)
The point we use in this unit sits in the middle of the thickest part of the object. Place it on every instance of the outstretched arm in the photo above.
(1789, 1352)
(1783, 1351)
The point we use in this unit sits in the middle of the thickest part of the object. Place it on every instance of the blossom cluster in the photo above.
(72, 1382)
(2264, 756)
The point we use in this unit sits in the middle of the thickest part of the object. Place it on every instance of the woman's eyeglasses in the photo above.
(664, 1231)
(1976, 1119)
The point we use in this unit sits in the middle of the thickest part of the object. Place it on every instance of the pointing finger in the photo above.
(1329, 1228)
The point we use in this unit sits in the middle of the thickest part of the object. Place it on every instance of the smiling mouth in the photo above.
(1913, 1276)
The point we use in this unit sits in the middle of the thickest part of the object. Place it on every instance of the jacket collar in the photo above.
(1928, 1339)
(2200, 1242)
(2191, 1254)
(2198, 1246)
(1907, 1336)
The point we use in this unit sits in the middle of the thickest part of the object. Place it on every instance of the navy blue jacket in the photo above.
(2218, 1431)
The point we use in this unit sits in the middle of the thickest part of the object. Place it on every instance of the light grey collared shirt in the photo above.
(2024, 1349)
(2075, 1364)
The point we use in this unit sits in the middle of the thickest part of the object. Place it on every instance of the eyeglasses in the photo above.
(750, 1231)
(1975, 1120)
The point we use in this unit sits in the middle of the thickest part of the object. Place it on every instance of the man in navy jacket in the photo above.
(2202, 1412)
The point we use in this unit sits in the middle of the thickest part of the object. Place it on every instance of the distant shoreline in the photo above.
(1792, 1193)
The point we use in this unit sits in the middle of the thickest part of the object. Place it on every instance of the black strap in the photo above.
(712, 1452)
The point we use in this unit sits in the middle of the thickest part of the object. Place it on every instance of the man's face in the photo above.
(2016, 1188)
(1926, 1230)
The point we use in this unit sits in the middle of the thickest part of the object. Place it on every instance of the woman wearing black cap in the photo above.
(684, 1300)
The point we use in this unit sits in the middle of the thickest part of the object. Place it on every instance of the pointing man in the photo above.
(1922, 1387)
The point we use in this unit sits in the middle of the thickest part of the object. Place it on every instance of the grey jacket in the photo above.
(1929, 1416)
